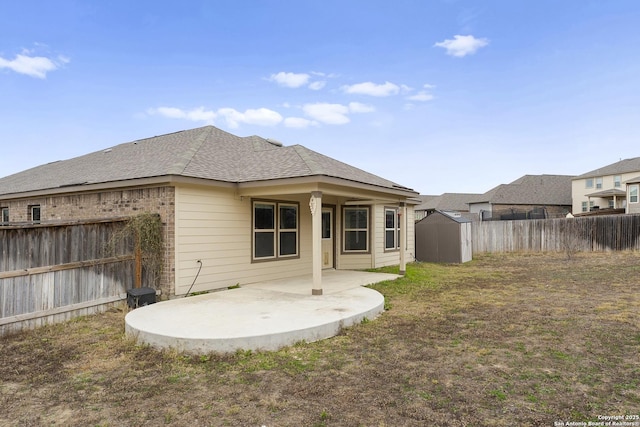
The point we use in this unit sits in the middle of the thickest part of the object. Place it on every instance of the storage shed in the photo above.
(443, 237)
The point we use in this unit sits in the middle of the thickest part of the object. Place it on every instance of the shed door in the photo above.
(327, 238)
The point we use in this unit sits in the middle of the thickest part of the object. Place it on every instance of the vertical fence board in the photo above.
(30, 299)
(599, 233)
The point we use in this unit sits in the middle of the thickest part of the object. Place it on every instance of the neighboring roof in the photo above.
(206, 152)
(453, 216)
(461, 219)
(531, 190)
(447, 201)
(608, 193)
(623, 166)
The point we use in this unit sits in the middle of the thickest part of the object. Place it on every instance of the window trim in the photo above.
(635, 187)
(588, 183)
(32, 208)
(277, 230)
(4, 213)
(585, 206)
(395, 229)
(599, 181)
(343, 246)
(617, 181)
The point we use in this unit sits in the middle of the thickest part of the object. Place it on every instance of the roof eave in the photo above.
(328, 180)
(113, 185)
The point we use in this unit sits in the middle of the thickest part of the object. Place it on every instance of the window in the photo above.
(275, 230)
(4, 218)
(391, 229)
(633, 193)
(288, 231)
(588, 183)
(356, 229)
(34, 213)
(617, 181)
(326, 225)
(584, 206)
(611, 205)
(599, 182)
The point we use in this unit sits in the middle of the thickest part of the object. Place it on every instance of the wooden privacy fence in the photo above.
(598, 233)
(51, 273)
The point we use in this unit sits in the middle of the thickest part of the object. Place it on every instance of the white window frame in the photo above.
(617, 181)
(395, 228)
(359, 228)
(599, 182)
(588, 183)
(585, 206)
(277, 230)
(4, 215)
(634, 198)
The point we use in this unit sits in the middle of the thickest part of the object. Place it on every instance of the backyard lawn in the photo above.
(504, 340)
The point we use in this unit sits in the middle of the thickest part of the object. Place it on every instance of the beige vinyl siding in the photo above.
(355, 261)
(392, 257)
(214, 225)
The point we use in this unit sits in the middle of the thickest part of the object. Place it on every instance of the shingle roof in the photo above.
(448, 201)
(623, 166)
(531, 190)
(206, 152)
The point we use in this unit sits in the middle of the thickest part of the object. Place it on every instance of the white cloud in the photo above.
(357, 107)
(233, 117)
(372, 89)
(331, 114)
(299, 122)
(317, 85)
(461, 46)
(262, 117)
(290, 79)
(421, 96)
(334, 114)
(34, 66)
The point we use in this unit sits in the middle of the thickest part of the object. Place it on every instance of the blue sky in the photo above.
(439, 96)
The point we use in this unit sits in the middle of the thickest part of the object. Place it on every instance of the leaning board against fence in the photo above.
(53, 272)
(598, 233)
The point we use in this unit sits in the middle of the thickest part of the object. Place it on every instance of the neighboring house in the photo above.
(633, 195)
(528, 197)
(606, 187)
(446, 202)
(248, 208)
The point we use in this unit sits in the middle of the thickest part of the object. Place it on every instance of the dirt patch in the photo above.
(505, 340)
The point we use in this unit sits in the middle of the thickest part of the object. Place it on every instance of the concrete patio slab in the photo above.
(262, 316)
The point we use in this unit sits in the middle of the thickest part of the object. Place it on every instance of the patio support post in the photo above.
(315, 204)
(403, 237)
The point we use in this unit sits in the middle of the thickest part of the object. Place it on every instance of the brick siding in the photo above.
(104, 205)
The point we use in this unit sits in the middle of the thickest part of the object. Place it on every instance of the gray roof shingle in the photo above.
(531, 190)
(448, 201)
(623, 166)
(206, 152)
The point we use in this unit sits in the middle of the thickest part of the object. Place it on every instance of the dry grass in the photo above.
(504, 340)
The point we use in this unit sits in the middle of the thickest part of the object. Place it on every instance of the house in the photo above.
(444, 237)
(633, 195)
(244, 209)
(528, 197)
(607, 187)
(446, 202)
